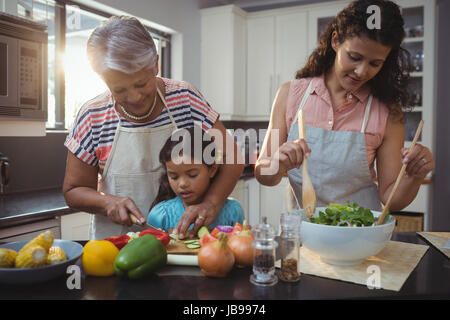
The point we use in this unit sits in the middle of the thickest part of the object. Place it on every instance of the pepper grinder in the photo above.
(264, 255)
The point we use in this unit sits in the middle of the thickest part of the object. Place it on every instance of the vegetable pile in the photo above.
(346, 216)
(225, 247)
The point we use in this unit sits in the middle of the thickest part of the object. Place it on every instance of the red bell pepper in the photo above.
(119, 241)
(159, 234)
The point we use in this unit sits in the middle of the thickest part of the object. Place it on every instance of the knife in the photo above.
(137, 223)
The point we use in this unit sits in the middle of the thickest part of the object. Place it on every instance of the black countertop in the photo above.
(429, 280)
(32, 206)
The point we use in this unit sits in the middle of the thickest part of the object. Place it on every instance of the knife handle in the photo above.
(135, 220)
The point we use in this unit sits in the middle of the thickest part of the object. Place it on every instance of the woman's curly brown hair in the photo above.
(391, 82)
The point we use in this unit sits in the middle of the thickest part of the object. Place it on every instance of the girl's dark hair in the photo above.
(188, 137)
(390, 83)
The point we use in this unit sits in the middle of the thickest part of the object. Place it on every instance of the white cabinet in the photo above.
(260, 201)
(276, 49)
(223, 60)
(274, 201)
(75, 226)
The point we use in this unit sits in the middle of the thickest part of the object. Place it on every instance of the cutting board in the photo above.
(178, 247)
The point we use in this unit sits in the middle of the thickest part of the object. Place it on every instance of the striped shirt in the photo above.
(92, 134)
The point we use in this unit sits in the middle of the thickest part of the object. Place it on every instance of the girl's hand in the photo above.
(118, 210)
(420, 161)
(290, 155)
(202, 214)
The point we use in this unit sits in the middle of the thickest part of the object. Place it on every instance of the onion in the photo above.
(241, 246)
(215, 259)
(226, 229)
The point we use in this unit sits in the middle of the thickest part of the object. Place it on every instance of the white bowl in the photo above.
(345, 246)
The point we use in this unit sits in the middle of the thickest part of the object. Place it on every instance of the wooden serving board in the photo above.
(178, 247)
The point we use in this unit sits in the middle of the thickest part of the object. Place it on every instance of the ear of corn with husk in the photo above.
(56, 255)
(45, 240)
(32, 256)
(7, 258)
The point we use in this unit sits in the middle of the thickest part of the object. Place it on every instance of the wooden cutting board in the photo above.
(178, 247)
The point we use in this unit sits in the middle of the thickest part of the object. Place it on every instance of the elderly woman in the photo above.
(112, 167)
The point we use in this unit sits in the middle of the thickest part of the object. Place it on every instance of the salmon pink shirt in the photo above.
(319, 112)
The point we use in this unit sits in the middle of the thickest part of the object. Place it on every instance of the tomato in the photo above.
(207, 237)
(236, 229)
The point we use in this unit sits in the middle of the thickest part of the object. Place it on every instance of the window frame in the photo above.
(60, 44)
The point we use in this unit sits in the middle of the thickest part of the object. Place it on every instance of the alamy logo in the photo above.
(374, 280)
(374, 20)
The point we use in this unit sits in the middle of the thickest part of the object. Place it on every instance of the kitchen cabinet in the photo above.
(30, 230)
(260, 201)
(223, 60)
(75, 226)
(275, 51)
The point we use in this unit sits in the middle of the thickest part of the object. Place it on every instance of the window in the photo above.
(71, 81)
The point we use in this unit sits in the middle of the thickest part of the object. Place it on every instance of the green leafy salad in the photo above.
(346, 216)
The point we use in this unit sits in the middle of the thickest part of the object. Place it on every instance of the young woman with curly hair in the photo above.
(351, 90)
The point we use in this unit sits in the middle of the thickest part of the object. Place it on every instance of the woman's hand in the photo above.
(118, 210)
(202, 214)
(420, 161)
(290, 155)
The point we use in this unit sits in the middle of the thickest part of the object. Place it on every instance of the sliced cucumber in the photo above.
(190, 241)
(202, 231)
(193, 246)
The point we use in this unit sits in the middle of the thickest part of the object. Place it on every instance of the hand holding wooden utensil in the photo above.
(399, 177)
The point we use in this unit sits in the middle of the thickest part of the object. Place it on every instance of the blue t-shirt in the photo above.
(166, 214)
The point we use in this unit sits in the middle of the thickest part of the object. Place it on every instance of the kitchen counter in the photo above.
(26, 207)
(429, 280)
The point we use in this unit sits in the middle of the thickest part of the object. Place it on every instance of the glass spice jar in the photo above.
(264, 255)
(290, 247)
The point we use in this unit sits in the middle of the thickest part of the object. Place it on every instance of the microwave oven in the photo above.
(23, 69)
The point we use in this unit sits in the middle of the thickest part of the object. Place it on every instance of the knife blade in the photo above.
(137, 223)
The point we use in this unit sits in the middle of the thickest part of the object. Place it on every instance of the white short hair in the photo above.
(122, 44)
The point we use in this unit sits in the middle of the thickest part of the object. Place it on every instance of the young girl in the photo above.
(186, 179)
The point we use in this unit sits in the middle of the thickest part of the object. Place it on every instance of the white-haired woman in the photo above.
(112, 166)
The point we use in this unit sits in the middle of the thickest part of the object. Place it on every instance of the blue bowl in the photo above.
(73, 252)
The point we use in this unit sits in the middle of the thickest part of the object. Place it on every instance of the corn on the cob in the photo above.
(34, 256)
(45, 240)
(7, 258)
(56, 255)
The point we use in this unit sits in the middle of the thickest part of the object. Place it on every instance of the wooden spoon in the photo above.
(399, 177)
(308, 193)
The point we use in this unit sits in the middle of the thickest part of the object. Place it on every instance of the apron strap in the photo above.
(168, 111)
(305, 96)
(366, 114)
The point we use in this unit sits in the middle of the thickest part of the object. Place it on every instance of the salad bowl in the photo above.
(345, 245)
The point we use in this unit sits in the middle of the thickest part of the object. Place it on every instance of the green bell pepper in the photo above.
(140, 257)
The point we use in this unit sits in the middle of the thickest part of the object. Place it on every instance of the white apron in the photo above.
(132, 170)
(338, 165)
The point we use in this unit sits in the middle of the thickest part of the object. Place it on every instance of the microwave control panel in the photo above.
(29, 74)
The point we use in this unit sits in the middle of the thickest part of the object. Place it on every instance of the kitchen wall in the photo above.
(182, 16)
